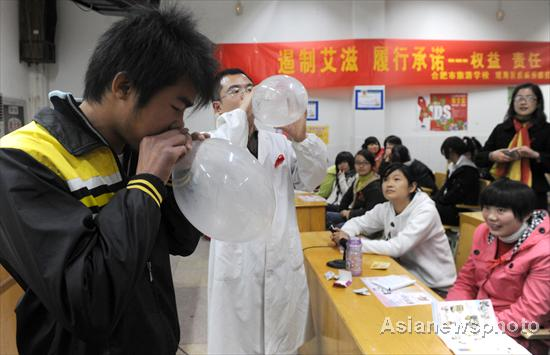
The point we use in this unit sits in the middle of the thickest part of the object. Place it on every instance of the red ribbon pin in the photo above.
(280, 160)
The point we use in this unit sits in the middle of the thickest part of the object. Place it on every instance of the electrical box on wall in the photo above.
(37, 21)
(12, 114)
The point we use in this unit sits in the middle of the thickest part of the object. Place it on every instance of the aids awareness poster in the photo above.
(442, 112)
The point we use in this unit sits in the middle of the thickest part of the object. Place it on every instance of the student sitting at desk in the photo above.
(510, 260)
(339, 178)
(462, 183)
(412, 230)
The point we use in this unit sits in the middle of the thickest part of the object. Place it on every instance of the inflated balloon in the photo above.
(224, 191)
(279, 101)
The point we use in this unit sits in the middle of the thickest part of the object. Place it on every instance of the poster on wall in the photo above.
(442, 112)
(12, 114)
(319, 131)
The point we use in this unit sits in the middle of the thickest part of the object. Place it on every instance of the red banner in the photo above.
(393, 62)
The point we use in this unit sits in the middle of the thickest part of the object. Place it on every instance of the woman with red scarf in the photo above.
(519, 147)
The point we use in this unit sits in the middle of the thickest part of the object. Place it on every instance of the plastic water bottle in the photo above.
(354, 256)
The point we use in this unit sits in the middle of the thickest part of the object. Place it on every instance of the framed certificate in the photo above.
(369, 99)
(312, 110)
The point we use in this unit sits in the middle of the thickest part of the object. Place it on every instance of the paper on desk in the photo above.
(392, 283)
(408, 296)
(311, 198)
(380, 265)
(470, 327)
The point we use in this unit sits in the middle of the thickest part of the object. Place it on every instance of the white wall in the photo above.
(13, 75)
(268, 21)
(76, 35)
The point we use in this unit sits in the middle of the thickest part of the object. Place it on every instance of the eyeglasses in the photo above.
(528, 98)
(238, 90)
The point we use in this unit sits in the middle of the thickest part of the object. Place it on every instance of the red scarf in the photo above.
(519, 170)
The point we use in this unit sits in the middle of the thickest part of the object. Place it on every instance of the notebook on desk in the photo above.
(393, 282)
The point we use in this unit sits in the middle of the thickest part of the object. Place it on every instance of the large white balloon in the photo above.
(279, 101)
(224, 191)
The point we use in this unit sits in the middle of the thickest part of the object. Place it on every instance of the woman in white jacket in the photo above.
(412, 230)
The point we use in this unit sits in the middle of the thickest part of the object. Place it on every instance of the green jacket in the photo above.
(326, 186)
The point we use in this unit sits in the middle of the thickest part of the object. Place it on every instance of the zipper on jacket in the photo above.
(150, 268)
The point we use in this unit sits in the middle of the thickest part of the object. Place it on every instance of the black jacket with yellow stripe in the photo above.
(88, 242)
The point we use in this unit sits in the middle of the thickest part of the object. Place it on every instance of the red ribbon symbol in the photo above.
(424, 109)
(280, 160)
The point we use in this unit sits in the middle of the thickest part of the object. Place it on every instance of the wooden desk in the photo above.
(468, 224)
(346, 323)
(10, 293)
(440, 179)
(310, 214)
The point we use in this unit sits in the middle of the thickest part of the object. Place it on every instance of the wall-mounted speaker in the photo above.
(37, 21)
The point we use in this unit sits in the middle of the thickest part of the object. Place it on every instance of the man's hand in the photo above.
(297, 130)
(200, 136)
(159, 153)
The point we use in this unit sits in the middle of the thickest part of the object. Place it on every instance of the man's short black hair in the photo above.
(218, 79)
(154, 48)
(506, 193)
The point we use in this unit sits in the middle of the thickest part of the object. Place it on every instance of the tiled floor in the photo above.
(190, 276)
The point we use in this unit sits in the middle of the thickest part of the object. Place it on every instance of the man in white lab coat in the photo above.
(258, 298)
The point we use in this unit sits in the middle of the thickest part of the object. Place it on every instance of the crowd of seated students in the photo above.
(509, 261)
(462, 183)
(363, 195)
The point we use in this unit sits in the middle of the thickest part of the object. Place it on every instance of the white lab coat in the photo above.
(258, 298)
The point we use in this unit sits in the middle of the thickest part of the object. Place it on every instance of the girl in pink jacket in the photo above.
(510, 261)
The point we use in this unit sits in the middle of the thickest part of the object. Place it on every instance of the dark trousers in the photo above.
(335, 219)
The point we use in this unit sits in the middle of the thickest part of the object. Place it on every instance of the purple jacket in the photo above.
(519, 286)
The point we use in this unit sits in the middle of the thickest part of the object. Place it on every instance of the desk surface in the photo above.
(301, 203)
(364, 317)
